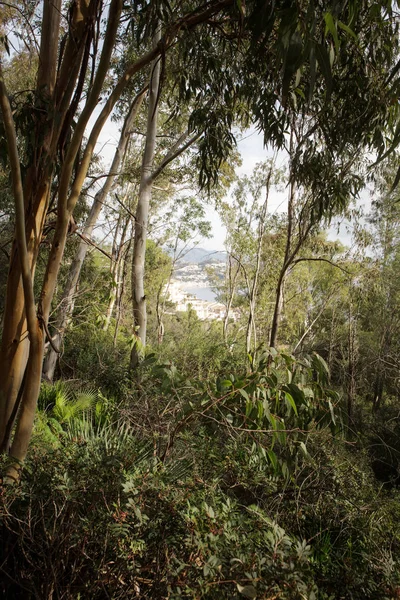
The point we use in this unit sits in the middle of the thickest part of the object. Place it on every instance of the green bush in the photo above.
(193, 491)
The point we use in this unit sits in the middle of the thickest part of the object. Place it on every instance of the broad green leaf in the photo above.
(296, 393)
(244, 394)
(226, 383)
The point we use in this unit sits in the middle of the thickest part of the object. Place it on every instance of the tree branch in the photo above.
(174, 152)
(294, 262)
(130, 213)
(90, 243)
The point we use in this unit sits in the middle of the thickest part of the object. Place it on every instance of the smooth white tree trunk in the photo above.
(142, 214)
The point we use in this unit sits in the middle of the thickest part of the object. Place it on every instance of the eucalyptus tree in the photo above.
(324, 275)
(378, 298)
(54, 168)
(246, 220)
(148, 176)
(321, 183)
(339, 54)
(66, 304)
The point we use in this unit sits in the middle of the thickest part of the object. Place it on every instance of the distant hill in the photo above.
(199, 256)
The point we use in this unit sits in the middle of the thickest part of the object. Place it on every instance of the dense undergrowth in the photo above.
(247, 487)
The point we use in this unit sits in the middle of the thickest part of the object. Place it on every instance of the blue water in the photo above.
(204, 293)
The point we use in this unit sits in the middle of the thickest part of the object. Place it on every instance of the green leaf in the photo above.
(226, 383)
(272, 459)
(303, 448)
(331, 28)
(260, 409)
(296, 393)
(347, 29)
(285, 470)
(244, 394)
(291, 402)
(210, 511)
(393, 145)
(272, 420)
(325, 66)
(249, 591)
(332, 412)
(249, 408)
(320, 366)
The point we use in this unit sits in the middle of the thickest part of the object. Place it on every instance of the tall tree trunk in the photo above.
(231, 293)
(116, 274)
(352, 354)
(287, 259)
(37, 186)
(142, 214)
(33, 325)
(250, 330)
(68, 296)
(121, 288)
(16, 345)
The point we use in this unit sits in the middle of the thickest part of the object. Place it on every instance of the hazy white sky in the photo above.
(251, 148)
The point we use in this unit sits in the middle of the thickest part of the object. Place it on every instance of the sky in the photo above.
(250, 146)
(252, 150)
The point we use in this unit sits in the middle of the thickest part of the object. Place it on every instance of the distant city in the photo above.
(191, 288)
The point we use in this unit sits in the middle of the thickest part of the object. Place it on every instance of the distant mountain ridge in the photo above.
(199, 256)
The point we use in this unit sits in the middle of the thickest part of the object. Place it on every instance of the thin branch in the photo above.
(174, 152)
(50, 339)
(90, 243)
(294, 262)
(130, 213)
(27, 22)
(309, 328)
